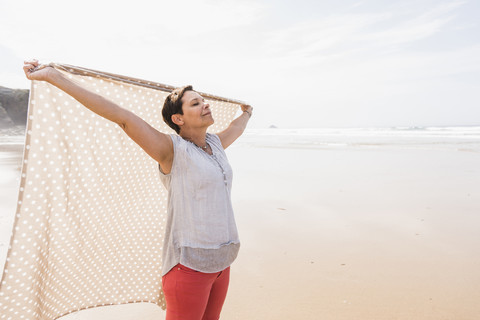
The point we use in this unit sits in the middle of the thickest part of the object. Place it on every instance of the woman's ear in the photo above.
(177, 119)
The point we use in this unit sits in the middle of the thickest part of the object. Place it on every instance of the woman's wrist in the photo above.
(248, 112)
(55, 77)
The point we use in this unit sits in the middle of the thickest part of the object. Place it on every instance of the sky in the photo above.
(300, 64)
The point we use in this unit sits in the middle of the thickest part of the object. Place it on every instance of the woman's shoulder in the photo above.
(177, 139)
(215, 142)
(180, 145)
(214, 138)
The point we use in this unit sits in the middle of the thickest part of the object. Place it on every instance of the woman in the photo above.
(201, 239)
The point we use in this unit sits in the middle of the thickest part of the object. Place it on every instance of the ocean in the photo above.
(438, 138)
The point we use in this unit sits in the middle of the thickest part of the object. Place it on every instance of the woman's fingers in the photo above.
(28, 68)
(246, 107)
(31, 67)
(32, 63)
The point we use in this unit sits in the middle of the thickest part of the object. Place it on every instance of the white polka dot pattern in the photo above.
(91, 212)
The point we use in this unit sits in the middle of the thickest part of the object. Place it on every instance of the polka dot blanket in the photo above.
(91, 210)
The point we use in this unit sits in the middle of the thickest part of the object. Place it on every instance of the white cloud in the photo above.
(124, 37)
(318, 36)
(353, 37)
(419, 27)
(58, 28)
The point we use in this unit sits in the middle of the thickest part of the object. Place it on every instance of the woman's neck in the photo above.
(199, 138)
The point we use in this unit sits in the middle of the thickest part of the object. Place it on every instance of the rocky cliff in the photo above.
(13, 107)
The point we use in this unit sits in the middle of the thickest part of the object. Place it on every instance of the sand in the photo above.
(357, 234)
(338, 233)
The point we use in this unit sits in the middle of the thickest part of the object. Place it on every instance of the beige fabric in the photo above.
(91, 209)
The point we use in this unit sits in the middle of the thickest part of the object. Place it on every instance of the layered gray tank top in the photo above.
(201, 232)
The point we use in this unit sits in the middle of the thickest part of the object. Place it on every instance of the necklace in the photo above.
(201, 147)
(205, 147)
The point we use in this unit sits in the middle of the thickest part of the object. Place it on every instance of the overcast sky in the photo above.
(300, 63)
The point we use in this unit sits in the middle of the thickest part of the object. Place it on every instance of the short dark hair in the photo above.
(173, 105)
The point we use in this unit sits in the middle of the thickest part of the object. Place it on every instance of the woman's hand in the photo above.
(247, 109)
(35, 71)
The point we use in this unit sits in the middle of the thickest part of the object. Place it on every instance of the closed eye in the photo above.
(196, 101)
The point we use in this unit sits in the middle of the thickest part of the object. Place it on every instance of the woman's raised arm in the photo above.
(156, 144)
(236, 127)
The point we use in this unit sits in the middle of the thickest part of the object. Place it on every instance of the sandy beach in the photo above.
(337, 232)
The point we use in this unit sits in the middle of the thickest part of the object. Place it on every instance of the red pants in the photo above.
(193, 295)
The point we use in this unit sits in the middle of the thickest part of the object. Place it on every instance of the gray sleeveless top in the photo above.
(201, 232)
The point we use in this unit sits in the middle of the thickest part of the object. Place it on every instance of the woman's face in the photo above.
(196, 112)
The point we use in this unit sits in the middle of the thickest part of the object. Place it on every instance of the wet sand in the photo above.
(338, 233)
